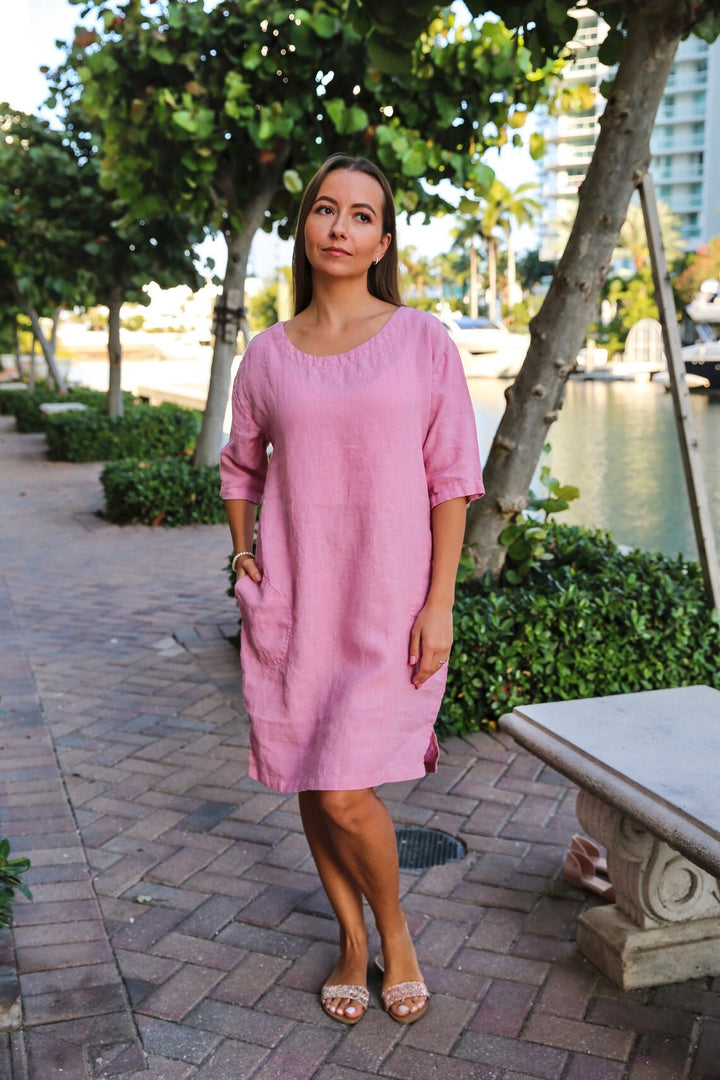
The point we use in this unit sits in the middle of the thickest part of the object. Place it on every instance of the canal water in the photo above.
(617, 442)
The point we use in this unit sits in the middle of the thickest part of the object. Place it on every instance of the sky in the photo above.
(28, 31)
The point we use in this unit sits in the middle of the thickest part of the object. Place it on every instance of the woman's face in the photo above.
(344, 228)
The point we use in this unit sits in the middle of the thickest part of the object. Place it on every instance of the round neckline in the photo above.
(348, 352)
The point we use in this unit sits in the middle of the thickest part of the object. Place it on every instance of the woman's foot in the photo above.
(350, 973)
(400, 970)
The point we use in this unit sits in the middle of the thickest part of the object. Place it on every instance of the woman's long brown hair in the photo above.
(383, 277)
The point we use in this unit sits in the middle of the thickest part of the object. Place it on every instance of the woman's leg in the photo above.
(363, 837)
(346, 900)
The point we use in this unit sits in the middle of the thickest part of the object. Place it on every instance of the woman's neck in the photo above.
(337, 303)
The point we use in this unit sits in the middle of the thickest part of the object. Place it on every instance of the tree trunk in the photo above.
(31, 368)
(473, 283)
(16, 346)
(492, 278)
(45, 344)
(621, 158)
(53, 332)
(207, 451)
(114, 395)
(511, 275)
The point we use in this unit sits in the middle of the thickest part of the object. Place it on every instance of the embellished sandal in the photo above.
(353, 993)
(395, 994)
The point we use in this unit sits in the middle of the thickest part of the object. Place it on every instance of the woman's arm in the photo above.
(241, 518)
(432, 633)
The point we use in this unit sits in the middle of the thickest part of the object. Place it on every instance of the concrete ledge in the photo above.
(187, 397)
(52, 407)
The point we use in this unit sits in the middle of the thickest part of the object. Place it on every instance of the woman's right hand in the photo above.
(250, 567)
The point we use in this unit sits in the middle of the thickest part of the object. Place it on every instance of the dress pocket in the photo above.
(266, 620)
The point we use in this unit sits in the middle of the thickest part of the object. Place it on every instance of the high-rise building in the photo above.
(685, 143)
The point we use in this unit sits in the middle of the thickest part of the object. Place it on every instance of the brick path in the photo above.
(178, 931)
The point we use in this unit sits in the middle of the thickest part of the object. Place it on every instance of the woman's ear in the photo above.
(382, 247)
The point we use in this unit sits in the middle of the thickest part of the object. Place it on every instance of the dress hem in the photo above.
(285, 788)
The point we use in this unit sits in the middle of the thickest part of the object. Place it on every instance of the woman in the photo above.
(347, 602)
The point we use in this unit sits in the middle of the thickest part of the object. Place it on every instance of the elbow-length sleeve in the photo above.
(243, 459)
(450, 450)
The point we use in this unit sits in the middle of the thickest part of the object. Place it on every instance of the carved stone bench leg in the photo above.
(665, 924)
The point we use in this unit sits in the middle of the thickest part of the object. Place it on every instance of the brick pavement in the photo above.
(178, 931)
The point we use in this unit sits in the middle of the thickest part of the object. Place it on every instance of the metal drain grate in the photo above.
(419, 849)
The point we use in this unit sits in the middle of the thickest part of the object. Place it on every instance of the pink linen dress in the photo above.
(364, 444)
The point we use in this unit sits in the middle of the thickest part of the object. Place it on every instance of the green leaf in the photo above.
(335, 109)
(389, 57)
(568, 492)
(252, 57)
(611, 48)
(325, 26)
(536, 145)
(292, 181)
(414, 160)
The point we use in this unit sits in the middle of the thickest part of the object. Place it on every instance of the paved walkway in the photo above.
(178, 931)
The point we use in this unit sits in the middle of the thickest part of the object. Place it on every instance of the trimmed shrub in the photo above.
(11, 871)
(25, 405)
(169, 491)
(144, 431)
(587, 621)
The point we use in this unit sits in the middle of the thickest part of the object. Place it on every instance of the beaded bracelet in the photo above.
(239, 555)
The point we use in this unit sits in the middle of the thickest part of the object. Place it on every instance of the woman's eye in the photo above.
(324, 210)
(365, 218)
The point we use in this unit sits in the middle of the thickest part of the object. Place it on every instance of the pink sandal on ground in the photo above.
(592, 850)
(579, 871)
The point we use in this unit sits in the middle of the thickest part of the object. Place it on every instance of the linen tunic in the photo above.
(364, 444)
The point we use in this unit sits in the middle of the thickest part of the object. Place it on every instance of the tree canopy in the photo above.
(224, 114)
(60, 243)
(703, 265)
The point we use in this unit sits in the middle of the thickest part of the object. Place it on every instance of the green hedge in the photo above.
(144, 431)
(589, 621)
(168, 491)
(24, 405)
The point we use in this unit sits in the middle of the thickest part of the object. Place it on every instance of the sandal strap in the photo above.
(397, 993)
(354, 993)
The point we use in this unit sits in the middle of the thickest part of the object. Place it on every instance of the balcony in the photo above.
(685, 204)
(681, 116)
(686, 83)
(667, 176)
(679, 145)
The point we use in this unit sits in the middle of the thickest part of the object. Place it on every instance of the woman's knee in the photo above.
(346, 809)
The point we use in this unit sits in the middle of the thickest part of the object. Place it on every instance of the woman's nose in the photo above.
(338, 227)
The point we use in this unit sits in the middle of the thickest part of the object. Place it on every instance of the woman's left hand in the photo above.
(430, 642)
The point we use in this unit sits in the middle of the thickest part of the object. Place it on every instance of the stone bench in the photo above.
(647, 766)
(50, 408)
(186, 397)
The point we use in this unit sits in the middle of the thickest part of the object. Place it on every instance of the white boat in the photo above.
(488, 350)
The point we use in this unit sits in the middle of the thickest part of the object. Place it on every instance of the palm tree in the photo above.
(464, 238)
(501, 208)
(520, 209)
(633, 240)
